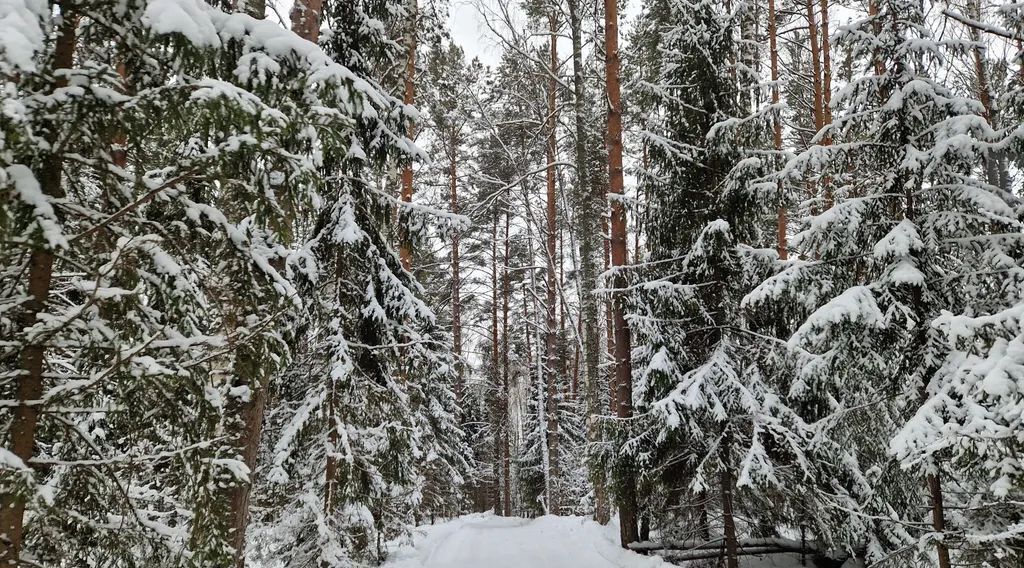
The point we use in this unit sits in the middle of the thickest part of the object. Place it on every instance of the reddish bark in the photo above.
(826, 70)
(876, 27)
(33, 355)
(812, 32)
(405, 240)
(826, 93)
(305, 17)
(623, 364)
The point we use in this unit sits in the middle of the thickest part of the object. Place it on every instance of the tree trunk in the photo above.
(782, 221)
(728, 520)
(1020, 68)
(826, 94)
(703, 524)
(993, 160)
(506, 427)
(249, 413)
(305, 18)
(826, 70)
(456, 277)
(876, 27)
(938, 518)
(496, 370)
(405, 239)
(551, 327)
(33, 355)
(812, 32)
(609, 332)
(623, 363)
(526, 318)
(331, 467)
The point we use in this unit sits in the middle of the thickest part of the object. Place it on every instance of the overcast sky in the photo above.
(468, 30)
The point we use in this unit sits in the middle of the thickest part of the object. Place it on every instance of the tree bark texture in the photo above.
(33, 354)
(622, 357)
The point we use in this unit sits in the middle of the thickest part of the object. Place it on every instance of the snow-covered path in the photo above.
(488, 541)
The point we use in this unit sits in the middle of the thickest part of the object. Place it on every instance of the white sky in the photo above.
(468, 29)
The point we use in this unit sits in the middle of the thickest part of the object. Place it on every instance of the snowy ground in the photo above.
(488, 541)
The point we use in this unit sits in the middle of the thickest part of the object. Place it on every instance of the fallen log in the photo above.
(789, 545)
(710, 549)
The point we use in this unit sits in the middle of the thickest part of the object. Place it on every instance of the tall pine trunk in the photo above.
(506, 426)
(728, 518)
(248, 370)
(623, 363)
(782, 221)
(249, 412)
(826, 93)
(876, 27)
(938, 517)
(551, 326)
(994, 169)
(495, 369)
(812, 33)
(456, 275)
(609, 326)
(826, 70)
(40, 277)
(405, 239)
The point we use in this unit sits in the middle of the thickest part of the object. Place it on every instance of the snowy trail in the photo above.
(488, 541)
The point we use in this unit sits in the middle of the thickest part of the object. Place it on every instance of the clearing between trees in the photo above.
(485, 540)
(479, 540)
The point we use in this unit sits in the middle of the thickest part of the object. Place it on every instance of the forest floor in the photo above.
(489, 541)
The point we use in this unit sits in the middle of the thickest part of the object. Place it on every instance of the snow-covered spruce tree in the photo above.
(366, 414)
(185, 135)
(913, 242)
(714, 432)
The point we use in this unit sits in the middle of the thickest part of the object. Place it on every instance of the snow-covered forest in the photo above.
(742, 278)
